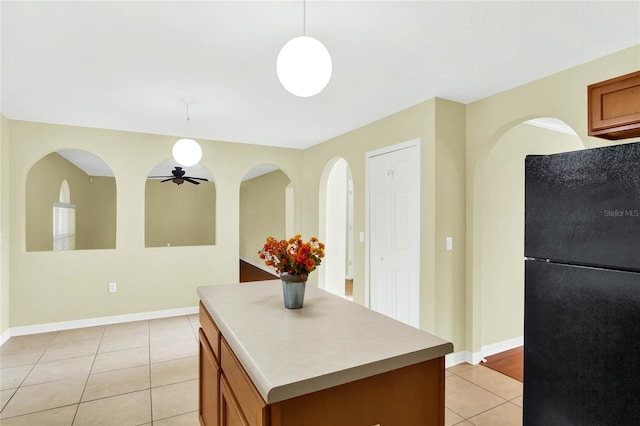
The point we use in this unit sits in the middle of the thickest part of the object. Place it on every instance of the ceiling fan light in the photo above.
(187, 152)
(304, 66)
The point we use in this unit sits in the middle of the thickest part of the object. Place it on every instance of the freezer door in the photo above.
(582, 346)
(583, 207)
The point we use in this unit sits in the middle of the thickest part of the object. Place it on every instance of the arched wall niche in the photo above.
(179, 212)
(91, 190)
(266, 209)
(498, 223)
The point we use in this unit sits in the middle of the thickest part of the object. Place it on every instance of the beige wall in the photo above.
(102, 212)
(262, 212)
(502, 226)
(48, 287)
(4, 224)
(94, 198)
(563, 96)
(179, 215)
(448, 300)
(440, 126)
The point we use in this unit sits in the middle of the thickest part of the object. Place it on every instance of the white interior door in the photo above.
(394, 232)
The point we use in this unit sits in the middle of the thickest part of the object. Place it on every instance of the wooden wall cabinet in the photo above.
(614, 107)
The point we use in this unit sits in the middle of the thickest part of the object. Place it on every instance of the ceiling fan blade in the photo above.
(204, 179)
(188, 179)
(159, 177)
(167, 180)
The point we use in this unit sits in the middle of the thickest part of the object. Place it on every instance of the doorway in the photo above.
(336, 228)
(394, 232)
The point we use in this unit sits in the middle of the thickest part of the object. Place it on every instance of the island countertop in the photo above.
(329, 342)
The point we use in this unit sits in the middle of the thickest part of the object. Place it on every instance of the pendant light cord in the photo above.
(304, 17)
(188, 118)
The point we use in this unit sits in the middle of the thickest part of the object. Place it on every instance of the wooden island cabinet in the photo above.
(330, 363)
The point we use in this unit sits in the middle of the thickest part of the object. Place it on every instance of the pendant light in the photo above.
(187, 152)
(304, 64)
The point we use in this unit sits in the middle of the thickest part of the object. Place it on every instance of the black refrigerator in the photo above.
(582, 288)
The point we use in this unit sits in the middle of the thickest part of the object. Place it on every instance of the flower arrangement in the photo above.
(293, 256)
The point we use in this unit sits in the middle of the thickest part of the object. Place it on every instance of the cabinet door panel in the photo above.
(230, 412)
(255, 409)
(210, 330)
(209, 379)
(614, 107)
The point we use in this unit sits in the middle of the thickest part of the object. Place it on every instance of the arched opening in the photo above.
(64, 220)
(180, 206)
(65, 193)
(70, 203)
(266, 210)
(500, 228)
(336, 228)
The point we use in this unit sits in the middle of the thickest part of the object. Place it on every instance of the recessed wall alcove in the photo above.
(79, 187)
(181, 214)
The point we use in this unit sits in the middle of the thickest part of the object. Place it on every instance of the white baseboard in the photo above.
(90, 322)
(505, 345)
(259, 265)
(474, 358)
(5, 336)
(455, 358)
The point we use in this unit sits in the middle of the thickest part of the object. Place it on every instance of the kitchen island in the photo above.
(333, 362)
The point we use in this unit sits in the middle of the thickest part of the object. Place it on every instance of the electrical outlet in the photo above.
(112, 287)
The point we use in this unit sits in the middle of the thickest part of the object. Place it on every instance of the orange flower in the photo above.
(311, 264)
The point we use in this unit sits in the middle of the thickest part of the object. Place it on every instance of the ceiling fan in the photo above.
(179, 178)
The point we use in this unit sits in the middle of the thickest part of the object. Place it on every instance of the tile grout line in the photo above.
(489, 409)
(20, 385)
(173, 417)
(38, 411)
(150, 378)
(505, 401)
(483, 388)
(84, 388)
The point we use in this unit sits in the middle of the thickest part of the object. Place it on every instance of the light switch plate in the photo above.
(449, 243)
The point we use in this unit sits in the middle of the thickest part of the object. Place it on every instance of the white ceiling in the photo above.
(126, 65)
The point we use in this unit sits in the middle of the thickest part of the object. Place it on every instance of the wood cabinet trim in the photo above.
(228, 401)
(208, 384)
(210, 329)
(252, 404)
(409, 396)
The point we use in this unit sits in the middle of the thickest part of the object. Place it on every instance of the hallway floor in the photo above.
(146, 373)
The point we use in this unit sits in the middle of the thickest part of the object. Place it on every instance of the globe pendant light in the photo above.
(304, 64)
(187, 152)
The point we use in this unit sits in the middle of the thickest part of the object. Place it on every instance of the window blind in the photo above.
(64, 227)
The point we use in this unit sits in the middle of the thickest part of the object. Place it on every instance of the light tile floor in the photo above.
(146, 373)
